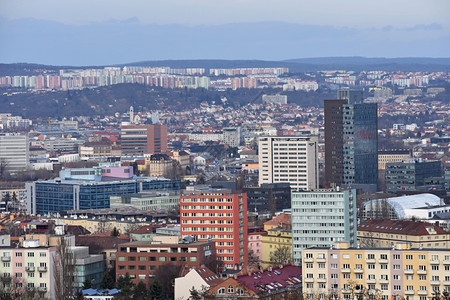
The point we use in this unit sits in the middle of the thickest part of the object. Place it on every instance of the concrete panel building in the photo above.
(14, 152)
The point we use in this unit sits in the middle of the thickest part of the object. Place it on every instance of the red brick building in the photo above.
(220, 216)
(143, 139)
(141, 259)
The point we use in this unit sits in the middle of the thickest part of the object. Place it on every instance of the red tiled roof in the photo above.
(278, 278)
(281, 219)
(399, 226)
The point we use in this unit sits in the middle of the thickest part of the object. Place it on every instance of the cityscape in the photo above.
(185, 177)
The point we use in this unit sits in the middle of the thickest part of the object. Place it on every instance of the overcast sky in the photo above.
(113, 31)
(351, 13)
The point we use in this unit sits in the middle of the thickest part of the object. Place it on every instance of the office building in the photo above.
(269, 197)
(220, 216)
(321, 217)
(141, 259)
(85, 189)
(351, 141)
(143, 139)
(14, 153)
(389, 156)
(291, 159)
(410, 174)
(397, 272)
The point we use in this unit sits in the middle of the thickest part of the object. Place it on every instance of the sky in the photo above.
(154, 29)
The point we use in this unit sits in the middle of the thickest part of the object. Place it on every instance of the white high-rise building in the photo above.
(290, 159)
(14, 152)
(232, 136)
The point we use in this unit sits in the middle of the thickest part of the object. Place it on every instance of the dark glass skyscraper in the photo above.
(351, 141)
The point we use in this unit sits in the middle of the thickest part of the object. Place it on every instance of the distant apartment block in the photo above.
(275, 99)
(143, 139)
(291, 159)
(14, 151)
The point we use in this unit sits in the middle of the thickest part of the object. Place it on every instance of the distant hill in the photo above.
(357, 63)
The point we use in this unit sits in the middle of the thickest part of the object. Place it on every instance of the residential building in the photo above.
(255, 244)
(141, 259)
(275, 99)
(268, 197)
(200, 279)
(232, 136)
(160, 165)
(276, 238)
(14, 152)
(283, 282)
(351, 141)
(321, 217)
(220, 216)
(390, 156)
(397, 272)
(291, 159)
(410, 174)
(143, 139)
(385, 233)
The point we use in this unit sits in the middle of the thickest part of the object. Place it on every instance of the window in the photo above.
(346, 266)
(396, 267)
(370, 256)
(230, 289)
(239, 291)
(221, 291)
(18, 254)
(371, 266)
(384, 267)
(396, 256)
(396, 277)
(30, 254)
(383, 256)
(358, 256)
(409, 257)
(162, 258)
(421, 257)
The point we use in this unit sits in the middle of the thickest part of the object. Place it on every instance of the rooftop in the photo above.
(400, 226)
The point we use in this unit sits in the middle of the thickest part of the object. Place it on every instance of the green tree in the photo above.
(155, 291)
(140, 292)
(195, 295)
(87, 284)
(107, 281)
(125, 285)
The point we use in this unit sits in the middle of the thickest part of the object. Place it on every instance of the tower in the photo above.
(131, 114)
(351, 141)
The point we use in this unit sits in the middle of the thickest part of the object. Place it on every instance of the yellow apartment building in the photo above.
(276, 237)
(398, 272)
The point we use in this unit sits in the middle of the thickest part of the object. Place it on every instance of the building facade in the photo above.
(143, 139)
(322, 217)
(289, 159)
(398, 272)
(351, 141)
(269, 197)
(220, 216)
(14, 151)
(410, 174)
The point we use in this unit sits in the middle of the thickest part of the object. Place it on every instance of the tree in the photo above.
(281, 255)
(87, 284)
(64, 267)
(107, 281)
(253, 260)
(115, 232)
(155, 291)
(125, 285)
(140, 292)
(166, 275)
(195, 295)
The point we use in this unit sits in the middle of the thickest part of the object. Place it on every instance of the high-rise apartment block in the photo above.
(143, 139)
(220, 216)
(397, 272)
(322, 217)
(232, 136)
(351, 141)
(291, 159)
(14, 153)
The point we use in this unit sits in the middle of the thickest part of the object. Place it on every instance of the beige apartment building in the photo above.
(398, 272)
(290, 159)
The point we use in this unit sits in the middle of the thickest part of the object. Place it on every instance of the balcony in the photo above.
(321, 280)
(345, 270)
(384, 281)
(371, 281)
(308, 260)
(6, 278)
(358, 271)
(346, 291)
(321, 259)
(422, 293)
(435, 282)
(42, 289)
(409, 271)
(29, 269)
(370, 261)
(308, 280)
(6, 258)
(434, 262)
(446, 282)
(446, 262)
(42, 269)
(422, 272)
(383, 261)
(409, 292)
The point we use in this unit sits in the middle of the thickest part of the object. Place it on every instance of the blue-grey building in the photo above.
(57, 195)
(351, 141)
(321, 217)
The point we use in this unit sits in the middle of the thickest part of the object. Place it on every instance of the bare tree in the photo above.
(253, 259)
(281, 255)
(64, 266)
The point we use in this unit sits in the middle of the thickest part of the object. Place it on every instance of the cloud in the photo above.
(432, 26)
